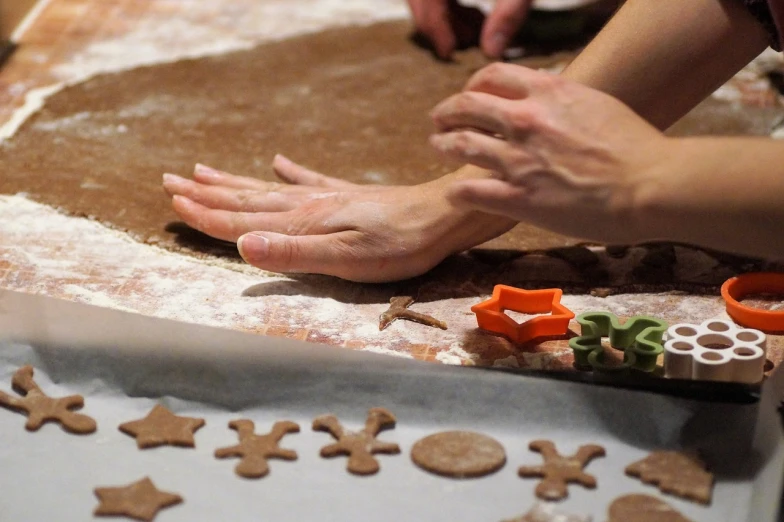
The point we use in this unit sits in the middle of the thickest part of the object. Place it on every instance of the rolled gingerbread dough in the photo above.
(350, 102)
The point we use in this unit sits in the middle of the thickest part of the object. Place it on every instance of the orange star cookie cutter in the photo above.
(491, 317)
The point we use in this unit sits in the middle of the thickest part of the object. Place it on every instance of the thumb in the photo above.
(322, 254)
(502, 24)
(493, 196)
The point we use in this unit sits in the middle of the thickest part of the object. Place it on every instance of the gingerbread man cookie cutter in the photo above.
(640, 338)
(490, 314)
(716, 350)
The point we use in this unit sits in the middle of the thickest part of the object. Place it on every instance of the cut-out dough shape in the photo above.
(256, 449)
(459, 454)
(360, 446)
(398, 309)
(162, 427)
(41, 408)
(542, 512)
(643, 508)
(676, 473)
(140, 500)
(559, 471)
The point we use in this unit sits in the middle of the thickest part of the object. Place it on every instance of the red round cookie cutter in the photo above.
(736, 288)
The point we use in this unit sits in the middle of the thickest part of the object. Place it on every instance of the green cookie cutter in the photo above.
(640, 338)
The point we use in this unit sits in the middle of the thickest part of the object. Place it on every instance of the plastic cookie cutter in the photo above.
(715, 350)
(640, 338)
(490, 314)
(736, 288)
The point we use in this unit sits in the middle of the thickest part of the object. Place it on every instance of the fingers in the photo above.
(501, 26)
(507, 80)
(228, 225)
(233, 199)
(494, 196)
(328, 254)
(210, 176)
(293, 173)
(475, 148)
(431, 18)
(475, 110)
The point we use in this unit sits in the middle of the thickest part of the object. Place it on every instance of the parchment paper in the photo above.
(124, 364)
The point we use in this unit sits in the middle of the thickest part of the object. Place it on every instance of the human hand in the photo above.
(446, 23)
(565, 157)
(317, 224)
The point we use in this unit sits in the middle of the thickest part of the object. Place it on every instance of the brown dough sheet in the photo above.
(351, 102)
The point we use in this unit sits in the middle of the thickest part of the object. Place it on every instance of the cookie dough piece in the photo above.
(459, 454)
(140, 500)
(398, 309)
(676, 473)
(542, 512)
(256, 449)
(643, 508)
(558, 471)
(360, 446)
(162, 427)
(41, 408)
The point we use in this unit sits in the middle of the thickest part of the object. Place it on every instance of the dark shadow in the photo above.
(655, 267)
(188, 238)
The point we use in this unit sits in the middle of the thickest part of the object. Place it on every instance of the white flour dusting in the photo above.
(80, 260)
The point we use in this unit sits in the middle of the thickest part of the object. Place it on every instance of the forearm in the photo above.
(723, 193)
(662, 57)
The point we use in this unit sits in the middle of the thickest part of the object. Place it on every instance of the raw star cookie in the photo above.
(41, 408)
(360, 446)
(398, 309)
(558, 471)
(542, 512)
(140, 500)
(161, 427)
(676, 473)
(643, 508)
(459, 454)
(256, 449)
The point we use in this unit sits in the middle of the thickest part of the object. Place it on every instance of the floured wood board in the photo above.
(45, 252)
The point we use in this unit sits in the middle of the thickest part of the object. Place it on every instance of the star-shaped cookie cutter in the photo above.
(640, 338)
(490, 314)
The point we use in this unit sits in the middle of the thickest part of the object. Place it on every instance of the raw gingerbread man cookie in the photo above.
(256, 449)
(360, 446)
(558, 471)
(41, 408)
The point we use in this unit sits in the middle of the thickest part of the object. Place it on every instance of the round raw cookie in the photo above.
(459, 454)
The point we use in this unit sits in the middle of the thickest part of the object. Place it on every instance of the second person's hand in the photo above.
(440, 20)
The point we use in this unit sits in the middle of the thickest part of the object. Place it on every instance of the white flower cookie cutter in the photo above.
(716, 350)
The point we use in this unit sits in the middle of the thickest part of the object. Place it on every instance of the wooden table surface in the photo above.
(45, 252)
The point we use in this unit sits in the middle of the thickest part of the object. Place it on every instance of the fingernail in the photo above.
(253, 246)
(206, 172)
(172, 178)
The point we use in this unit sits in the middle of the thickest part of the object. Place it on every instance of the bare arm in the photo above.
(662, 57)
(723, 193)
